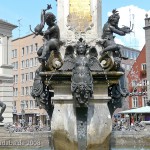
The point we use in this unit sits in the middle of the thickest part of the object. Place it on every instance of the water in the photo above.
(129, 148)
(24, 148)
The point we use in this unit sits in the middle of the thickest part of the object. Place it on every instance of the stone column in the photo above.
(6, 75)
(79, 19)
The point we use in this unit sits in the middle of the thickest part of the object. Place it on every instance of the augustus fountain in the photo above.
(80, 82)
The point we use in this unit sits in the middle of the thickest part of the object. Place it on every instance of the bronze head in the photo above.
(114, 18)
(50, 18)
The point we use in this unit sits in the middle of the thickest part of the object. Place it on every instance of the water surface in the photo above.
(117, 148)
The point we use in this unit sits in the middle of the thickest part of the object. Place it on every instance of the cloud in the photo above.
(119, 41)
(132, 15)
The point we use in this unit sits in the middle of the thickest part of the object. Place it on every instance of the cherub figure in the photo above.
(110, 27)
(51, 36)
(112, 54)
(81, 66)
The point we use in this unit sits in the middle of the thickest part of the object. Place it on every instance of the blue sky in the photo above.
(28, 11)
(108, 5)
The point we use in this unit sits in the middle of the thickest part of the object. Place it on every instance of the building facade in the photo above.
(138, 83)
(25, 62)
(6, 78)
(132, 55)
(138, 77)
(147, 39)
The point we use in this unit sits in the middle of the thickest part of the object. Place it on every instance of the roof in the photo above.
(142, 110)
(3, 22)
(23, 37)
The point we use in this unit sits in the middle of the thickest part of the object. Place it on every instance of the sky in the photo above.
(27, 12)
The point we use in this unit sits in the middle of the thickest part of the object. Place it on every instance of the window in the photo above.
(22, 77)
(15, 65)
(31, 62)
(27, 49)
(31, 49)
(23, 51)
(144, 82)
(31, 75)
(16, 78)
(26, 91)
(134, 83)
(144, 100)
(22, 64)
(22, 104)
(26, 104)
(31, 103)
(26, 76)
(30, 89)
(143, 66)
(36, 46)
(15, 92)
(27, 63)
(14, 53)
(35, 61)
(14, 104)
(36, 104)
(134, 102)
(22, 90)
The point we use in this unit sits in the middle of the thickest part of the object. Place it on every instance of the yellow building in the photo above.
(25, 62)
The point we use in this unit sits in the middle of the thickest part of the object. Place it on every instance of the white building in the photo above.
(6, 76)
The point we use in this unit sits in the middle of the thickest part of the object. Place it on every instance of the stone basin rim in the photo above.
(69, 73)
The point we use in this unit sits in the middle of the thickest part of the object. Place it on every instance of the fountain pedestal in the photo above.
(64, 121)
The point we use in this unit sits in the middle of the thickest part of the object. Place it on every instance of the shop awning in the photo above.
(141, 110)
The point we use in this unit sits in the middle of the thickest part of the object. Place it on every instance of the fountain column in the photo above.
(64, 120)
(79, 18)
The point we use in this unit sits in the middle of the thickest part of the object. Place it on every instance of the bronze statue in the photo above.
(51, 35)
(81, 66)
(110, 27)
(3, 107)
(113, 55)
(49, 57)
(42, 93)
(49, 52)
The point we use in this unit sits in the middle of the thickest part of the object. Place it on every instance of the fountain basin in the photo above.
(64, 120)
